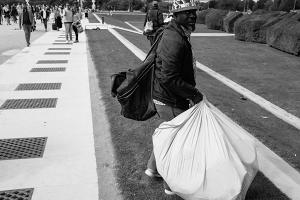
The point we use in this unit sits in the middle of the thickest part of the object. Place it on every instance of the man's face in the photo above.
(187, 19)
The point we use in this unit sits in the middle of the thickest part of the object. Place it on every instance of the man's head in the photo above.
(67, 6)
(184, 13)
(27, 1)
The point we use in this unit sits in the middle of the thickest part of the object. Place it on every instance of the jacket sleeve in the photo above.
(171, 52)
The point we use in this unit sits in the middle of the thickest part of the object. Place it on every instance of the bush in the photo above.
(201, 16)
(214, 19)
(285, 35)
(228, 21)
(251, 27)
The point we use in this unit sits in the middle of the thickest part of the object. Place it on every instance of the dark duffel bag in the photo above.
(133, 88)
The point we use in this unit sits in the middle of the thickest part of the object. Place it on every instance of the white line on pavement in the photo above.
(139, 30)
(275, 168)
(125, 29)
(193, 34)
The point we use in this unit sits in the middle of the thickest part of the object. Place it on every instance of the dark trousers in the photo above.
(27, 30)
(20, 25)
(165, 113)
(76, 32)
(45, 23)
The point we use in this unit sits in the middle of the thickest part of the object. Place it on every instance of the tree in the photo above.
(260, 4)
(286, 5)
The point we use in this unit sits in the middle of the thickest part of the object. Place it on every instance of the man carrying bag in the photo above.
(153, 21)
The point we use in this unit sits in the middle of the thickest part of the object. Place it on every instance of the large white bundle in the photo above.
(203, 155)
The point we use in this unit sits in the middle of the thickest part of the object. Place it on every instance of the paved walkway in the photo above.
(46, 140)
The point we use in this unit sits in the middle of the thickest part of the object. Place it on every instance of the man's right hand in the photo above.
(197, 98)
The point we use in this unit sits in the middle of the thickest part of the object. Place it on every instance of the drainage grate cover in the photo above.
(39, 86)
(63, 43)
(21, 148)
(52, 61)
(19, 194)
(57, 53)
(59, 48)
(50, 69)
(29, 103)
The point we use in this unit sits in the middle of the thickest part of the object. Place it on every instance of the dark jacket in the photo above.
(156, 16)
(174, 81)
(31, 17)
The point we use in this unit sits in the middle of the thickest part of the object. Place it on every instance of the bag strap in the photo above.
(155, 44)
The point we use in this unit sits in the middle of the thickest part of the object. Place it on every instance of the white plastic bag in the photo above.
(148, 27)
(203, 155)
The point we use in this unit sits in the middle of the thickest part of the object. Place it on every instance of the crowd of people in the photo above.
(27, 16)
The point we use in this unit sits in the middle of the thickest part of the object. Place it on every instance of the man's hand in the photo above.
(197, 98)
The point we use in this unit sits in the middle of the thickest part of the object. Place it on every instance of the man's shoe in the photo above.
(169, 192)
(151, 173)
(28, 44)
(76, 41)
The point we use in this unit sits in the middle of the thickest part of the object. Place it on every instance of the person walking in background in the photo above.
(6, 12)
(19, 10)
(44, 16)
(14, 13)
(1, 11)
(27, 20)
(156, 17)
(174, 83)
(57, 18)
(76, 22)
(68, 20)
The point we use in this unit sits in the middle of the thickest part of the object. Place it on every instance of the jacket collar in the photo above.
(174, 26)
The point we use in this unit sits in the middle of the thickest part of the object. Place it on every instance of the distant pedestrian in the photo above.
(1, 11)
(19, 10)
(27, 20)
(14, 13)
(57, 18)
(45, 16)
(76, 23)
(156, 17)
(6, 12)
(68, 20)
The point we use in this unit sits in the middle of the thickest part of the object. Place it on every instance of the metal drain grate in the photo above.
(52, 61)
(59, 48)
(29, 103)
(50, 69)
(62, 43)
(18, 194)
(21, 148)
(57, 53)
(39, 86)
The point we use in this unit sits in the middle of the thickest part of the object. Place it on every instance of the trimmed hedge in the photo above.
(285, 35)
(228, 21)
(201, 15)
(251, 27)
(214, 19)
